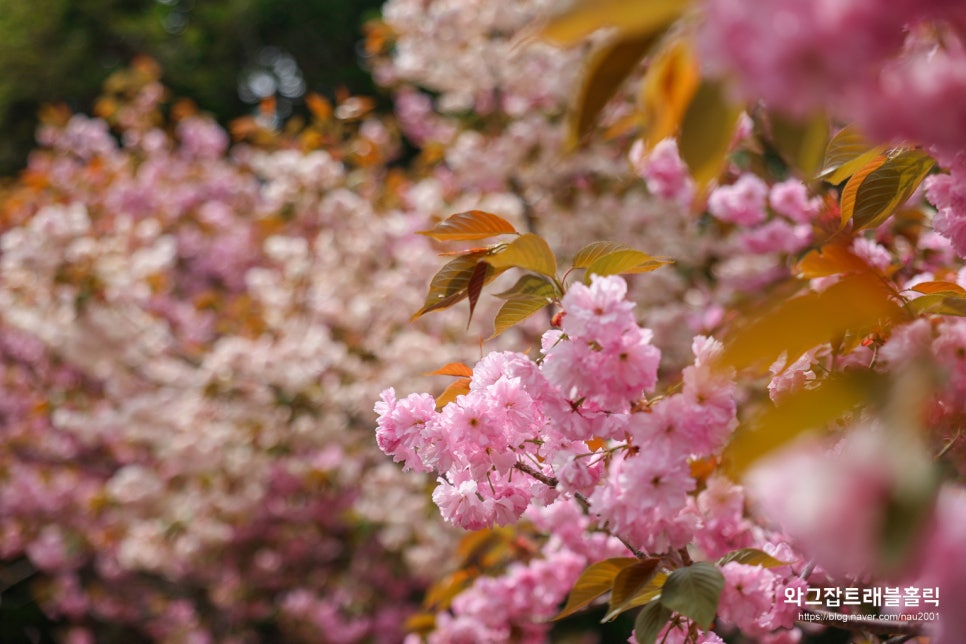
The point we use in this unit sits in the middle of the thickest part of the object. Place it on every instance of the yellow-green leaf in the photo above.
(629, 16)
(630, 584)
(880, 187)
(847, 152)
(939, 304)
(694, 591)
(594, 251)
(752, 557)
(670, 83)
(801, 143)
(624, 261)
(469, 225)
(593, 582)
(856, 304)
(528, 251)
(706, 132)
(604, 73)
(531, 285)
(798, 412)
(650, 621)
(517, 309)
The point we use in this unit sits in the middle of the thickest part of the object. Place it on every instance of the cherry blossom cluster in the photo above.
(191, 338)
(884, 71)
(519, 444)
(591, 439)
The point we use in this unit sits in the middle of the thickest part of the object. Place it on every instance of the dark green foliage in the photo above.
(62, 50)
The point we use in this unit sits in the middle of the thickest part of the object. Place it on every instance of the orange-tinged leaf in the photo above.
(939, 287)
(625, 261)
(453, 369)
(594, 581)
(528, 251)
(833, 259)
(707, 130)
(474, 548)
(320, 106)
(881, 186)
(752, 557)
(637, 17)
(469, 225)
(594, 251)
(847, 152)
(855, 305)
(702, 468)
(452, 392)
(796, 413)
(442, 593)
(421, 623)
(517, 309)
(633, 586)
(604, 73)
(669, 86)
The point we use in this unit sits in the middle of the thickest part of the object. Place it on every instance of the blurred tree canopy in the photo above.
(218, 52)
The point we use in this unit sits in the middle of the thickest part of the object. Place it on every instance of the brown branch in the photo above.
(580, 498)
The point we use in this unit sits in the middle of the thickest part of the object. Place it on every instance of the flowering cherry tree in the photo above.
(803, 468)
(192, 335)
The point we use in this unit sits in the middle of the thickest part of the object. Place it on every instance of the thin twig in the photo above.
(580, 498)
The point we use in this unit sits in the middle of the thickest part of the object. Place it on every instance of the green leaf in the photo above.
(707, 130)
(452, 283)
(637, 18)
(531, 285)
(634, 586)
(694, 591)
(948, 303)
(801, 143)
(594, 251)
(528, 251)
(517, 309)
(650, 621)
(593, 582)
(469, 225)
(752, 557)
(604, 73)
(847, 152)
(624, 261)
(879, 188)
